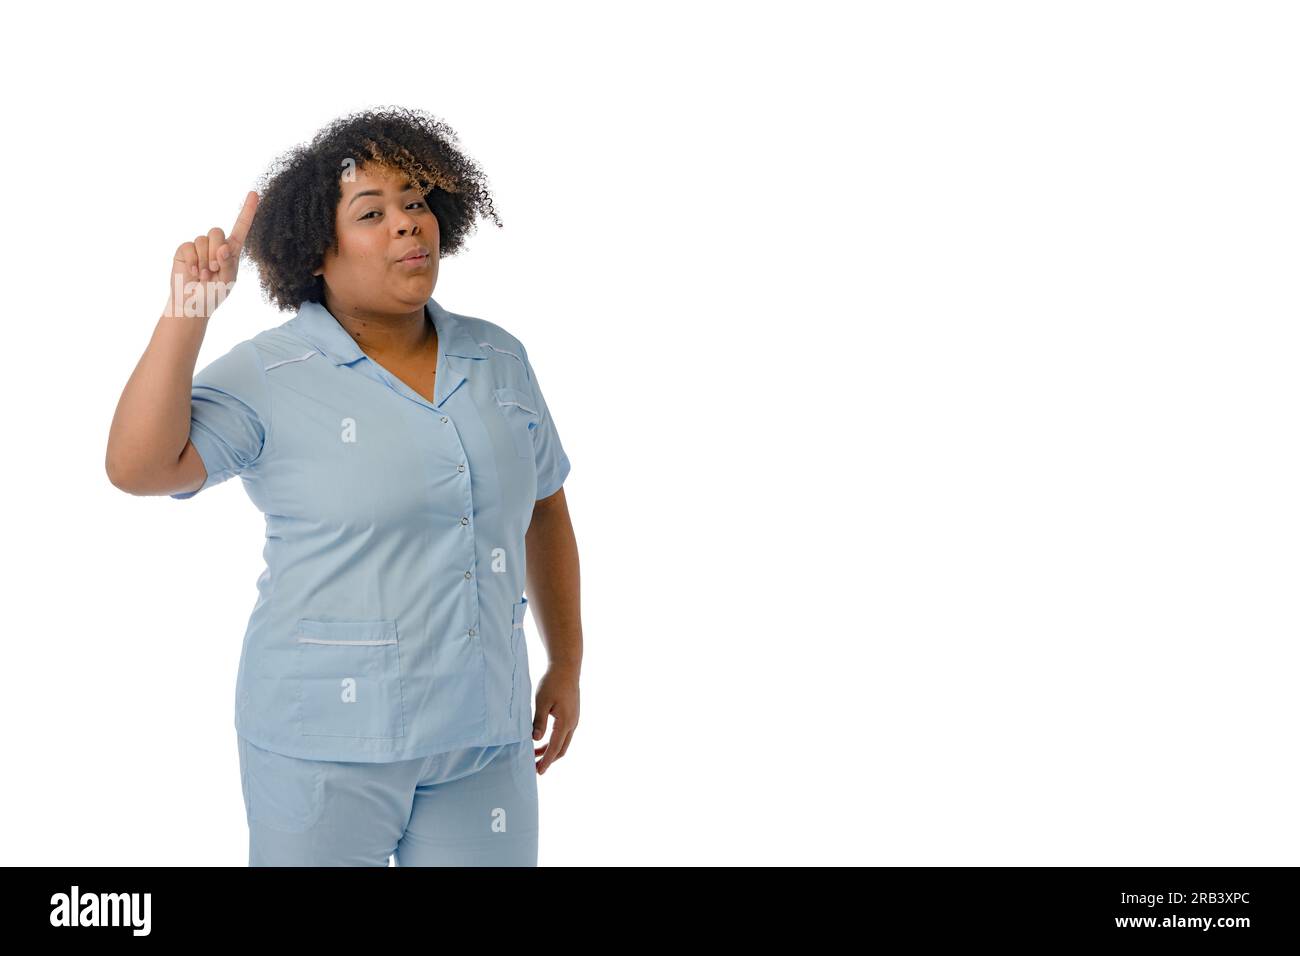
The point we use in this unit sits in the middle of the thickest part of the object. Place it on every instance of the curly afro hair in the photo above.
(300, 192)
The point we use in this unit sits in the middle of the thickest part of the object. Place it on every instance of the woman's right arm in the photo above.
(149, 451)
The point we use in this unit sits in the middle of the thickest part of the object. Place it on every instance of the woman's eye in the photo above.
(414, 202)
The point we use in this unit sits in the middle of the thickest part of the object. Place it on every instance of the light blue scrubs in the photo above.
(475, 806)
(389, 621)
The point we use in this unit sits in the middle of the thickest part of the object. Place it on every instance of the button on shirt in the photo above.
(389, 621)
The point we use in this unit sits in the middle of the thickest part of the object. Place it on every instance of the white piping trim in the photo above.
(286, 361)
(532, 411)
(489, 345)
(317, 640)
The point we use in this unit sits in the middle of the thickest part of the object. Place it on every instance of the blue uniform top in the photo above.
(389, 618)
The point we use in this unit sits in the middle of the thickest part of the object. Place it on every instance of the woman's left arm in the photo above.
(552, 586)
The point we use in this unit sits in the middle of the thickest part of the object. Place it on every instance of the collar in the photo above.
(315, 323)
(457, 350)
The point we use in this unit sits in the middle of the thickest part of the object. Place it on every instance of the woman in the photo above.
(408, 467)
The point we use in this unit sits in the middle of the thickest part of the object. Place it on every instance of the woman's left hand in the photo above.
(557, 695)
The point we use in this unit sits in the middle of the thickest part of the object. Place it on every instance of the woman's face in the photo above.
(380, 218)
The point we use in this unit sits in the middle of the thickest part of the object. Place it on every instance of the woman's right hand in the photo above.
(204, 270)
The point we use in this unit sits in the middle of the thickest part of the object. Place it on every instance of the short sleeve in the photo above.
(229, 414)
(552, 462)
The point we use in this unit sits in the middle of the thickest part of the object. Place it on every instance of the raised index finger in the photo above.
(245, 220)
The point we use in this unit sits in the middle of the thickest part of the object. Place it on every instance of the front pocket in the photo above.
(516, 407)
(520, 684)
(349, 680)
(281, 792)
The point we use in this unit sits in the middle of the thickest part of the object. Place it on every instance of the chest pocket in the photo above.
(516, 407)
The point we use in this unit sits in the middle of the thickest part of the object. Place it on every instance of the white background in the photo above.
(928, 373)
